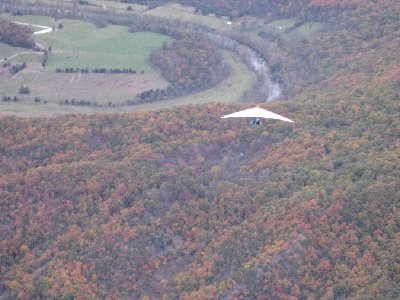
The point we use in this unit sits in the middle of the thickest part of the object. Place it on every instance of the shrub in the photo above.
(24, 90)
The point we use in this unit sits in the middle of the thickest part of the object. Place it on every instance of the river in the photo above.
(268, 87)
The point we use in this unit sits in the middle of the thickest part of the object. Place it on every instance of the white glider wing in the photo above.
(257, 112)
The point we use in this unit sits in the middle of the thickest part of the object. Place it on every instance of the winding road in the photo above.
(45, 29)
(21, 53)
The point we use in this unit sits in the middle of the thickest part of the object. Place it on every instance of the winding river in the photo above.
(254, 60)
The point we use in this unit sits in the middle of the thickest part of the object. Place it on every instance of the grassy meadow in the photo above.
(81, 45)
(110, 47)
(182, 13)
(230, 89)
(281, 25)
(38, 20)
(119, 6)
(306, 30)
(6, 51)
(96, 4)
(58, 87)
(285, 29)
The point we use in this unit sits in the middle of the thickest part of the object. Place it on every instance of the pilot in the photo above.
(255, 122)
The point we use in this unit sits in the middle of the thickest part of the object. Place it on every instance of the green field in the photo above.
(97, 4)
(118, 5)
(280, 25)
(110, 47)
(33, 57)
(185, 14)
(284, 28)
(38, 20)
(54, 87)
(80, 44)
(306, 30)
(230, 89)
(6, 51)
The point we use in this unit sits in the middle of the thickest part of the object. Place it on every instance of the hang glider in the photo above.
(257, 113)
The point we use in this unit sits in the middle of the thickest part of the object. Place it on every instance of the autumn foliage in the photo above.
(15, 35)
(190, 63)
(181, 204)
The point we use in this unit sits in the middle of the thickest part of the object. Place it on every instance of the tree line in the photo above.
(291, 61)
(16, 67)
(16, 35)
(190, 63)
(176, 29)
(148, 96)
(98, 70)
(296, 64)
(271, 9)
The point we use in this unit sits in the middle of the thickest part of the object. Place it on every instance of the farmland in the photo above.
(229, 90)
(95, 4)
(7, 51)
(182, 13)
(81, 45)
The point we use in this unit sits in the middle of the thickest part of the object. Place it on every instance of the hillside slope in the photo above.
(181, 204)
(184, 203)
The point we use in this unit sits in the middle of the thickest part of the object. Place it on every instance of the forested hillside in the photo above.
(359, 47)
(15, 35)
(260, 8)
(190, 63)
(181, 204)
